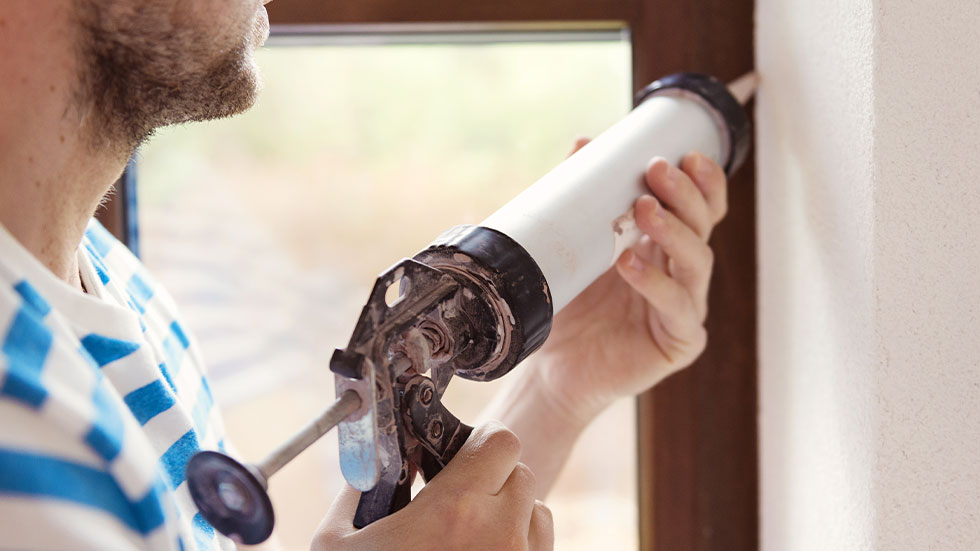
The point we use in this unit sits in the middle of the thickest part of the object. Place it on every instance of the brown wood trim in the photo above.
(697, 435)
(400, 11)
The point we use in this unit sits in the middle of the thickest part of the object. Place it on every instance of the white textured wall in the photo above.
(869, 204)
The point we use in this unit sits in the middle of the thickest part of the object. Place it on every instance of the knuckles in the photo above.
(700, 342)
(683, 352)
(325, 541)
(500, 439)
(721, 211)
(524, 478)
(709, 259)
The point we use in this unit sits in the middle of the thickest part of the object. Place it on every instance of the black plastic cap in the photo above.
(515, 275)
(521, 283)
(716, 94)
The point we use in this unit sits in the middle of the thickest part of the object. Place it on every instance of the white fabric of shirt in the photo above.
(103, 399)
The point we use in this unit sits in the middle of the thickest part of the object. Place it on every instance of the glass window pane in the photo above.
(270, 228)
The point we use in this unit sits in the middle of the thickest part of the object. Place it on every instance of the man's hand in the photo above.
(637, 324)
(642, 320)
(482, 501)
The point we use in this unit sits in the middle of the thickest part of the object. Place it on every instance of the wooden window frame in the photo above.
(697, 431)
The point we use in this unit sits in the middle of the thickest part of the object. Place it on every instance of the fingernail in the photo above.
(634, 262)
(659, 168)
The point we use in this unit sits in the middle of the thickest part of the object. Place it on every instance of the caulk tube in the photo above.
(529, 259)
(576, 220)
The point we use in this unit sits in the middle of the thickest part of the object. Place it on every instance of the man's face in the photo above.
(149, 63)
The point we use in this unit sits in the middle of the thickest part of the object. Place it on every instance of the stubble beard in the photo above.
(138, 73)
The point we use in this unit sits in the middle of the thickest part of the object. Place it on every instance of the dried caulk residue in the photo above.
(625, 234)
(568, 258)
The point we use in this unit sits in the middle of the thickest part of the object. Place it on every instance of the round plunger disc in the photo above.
(230, 497)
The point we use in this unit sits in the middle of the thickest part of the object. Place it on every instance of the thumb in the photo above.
(339, 520)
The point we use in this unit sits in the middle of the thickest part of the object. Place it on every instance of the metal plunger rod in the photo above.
(346, 404)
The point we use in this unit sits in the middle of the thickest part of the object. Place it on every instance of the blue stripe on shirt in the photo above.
(105, 350)
(166, 376)
(202, 408)
(149, 401)
(97, 263)
(175, 459)
(203, 532)
(26, 347)
(33, 298)
(173, 355)
(174, 346)
(101, 239)
(139, 291)
(106, 434)
(178, 331)
(42, 476)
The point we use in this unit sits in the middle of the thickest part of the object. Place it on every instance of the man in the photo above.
(102, 394)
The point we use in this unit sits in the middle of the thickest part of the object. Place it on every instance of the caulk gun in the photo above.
(475, 303)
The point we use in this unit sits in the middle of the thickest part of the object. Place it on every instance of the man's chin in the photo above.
(169, 73)
(234, 90)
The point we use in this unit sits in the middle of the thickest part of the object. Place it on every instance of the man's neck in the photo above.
(46, 207)
(51, 178)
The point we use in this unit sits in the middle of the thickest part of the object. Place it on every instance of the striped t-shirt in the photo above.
(103, 399)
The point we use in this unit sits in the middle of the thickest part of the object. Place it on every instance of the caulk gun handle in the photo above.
(381, 501)
(439, 433)
(439, 436)
(433, 465)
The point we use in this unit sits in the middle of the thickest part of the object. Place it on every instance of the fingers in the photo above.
(691, 258)
(678, 192)
(677, 315)
(484, 499)
(711, 180)
(693, 199)
(519, 488)
(519, 493)
(541, 532)
(485, 462)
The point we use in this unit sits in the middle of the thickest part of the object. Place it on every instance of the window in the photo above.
(270, 228)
